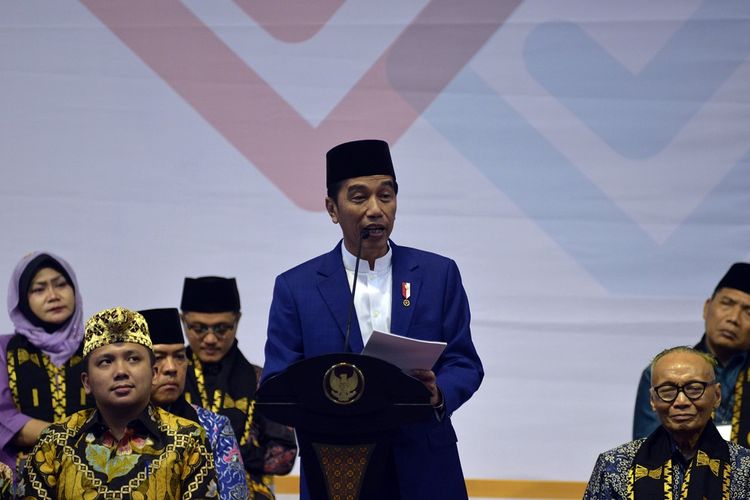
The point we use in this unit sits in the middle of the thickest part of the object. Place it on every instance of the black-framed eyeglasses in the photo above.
(219, 329)
(692, 390)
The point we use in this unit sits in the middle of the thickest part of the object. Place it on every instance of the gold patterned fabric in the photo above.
(115, 325)
(40, 389)
(707, 475)
(741, 407)
(343, 468)
(622, 474)
(266, 447)
(6, 482)
(161, 456)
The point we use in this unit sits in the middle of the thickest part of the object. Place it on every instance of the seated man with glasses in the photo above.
(685, 457)
(726, 317)
(222, 380)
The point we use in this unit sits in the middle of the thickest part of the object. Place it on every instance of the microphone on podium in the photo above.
(363, 235)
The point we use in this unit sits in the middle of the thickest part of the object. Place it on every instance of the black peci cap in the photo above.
(738, 277)
(210, 294)
(358, 159)
(164, 325)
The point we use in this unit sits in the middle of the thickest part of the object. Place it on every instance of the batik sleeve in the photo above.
(39, 476)
(229, 468)
(607, 479)
(198, 471)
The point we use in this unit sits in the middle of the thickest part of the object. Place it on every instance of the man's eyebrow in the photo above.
(165, 352)
(385, 183)
(732, 300)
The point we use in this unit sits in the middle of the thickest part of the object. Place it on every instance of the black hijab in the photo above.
(39, 262)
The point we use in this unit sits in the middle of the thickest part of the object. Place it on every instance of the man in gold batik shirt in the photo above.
(125, 448)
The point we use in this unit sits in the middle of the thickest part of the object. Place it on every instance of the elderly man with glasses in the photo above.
(726, 315)
(222, 380)
(685, 457)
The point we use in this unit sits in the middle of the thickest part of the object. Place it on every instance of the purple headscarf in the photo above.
(61, 344)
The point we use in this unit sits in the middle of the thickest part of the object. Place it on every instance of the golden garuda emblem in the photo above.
(343, 383)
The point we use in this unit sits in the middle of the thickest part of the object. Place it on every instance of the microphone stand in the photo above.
(363, 235)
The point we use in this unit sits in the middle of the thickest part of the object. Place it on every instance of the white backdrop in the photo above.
(586, 164)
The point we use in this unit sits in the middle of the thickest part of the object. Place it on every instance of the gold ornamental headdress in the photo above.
(115, 325)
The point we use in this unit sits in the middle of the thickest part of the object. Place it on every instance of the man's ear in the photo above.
(85, 382)
(651, 398)
(705, 308)
(332, 209)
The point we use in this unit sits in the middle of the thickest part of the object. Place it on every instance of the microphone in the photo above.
(363, 235)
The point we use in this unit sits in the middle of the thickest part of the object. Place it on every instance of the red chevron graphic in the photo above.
(252, 116)
(292, 21)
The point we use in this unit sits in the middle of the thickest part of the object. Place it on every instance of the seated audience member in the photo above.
(40, 378)
(167, 392)
(685, 457)
(727, 338)
(221, 379)
(6, 482)
(124, 447)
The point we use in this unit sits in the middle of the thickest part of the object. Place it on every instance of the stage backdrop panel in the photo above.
(585, 163)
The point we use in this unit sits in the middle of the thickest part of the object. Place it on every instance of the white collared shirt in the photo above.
(372, 300)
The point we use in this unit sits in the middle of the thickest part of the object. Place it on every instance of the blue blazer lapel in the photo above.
(334, 289)
(405, 270)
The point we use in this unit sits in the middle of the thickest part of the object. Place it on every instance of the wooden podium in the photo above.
(346, 409)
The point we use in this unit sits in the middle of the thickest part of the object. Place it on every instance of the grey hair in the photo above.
(708, 358)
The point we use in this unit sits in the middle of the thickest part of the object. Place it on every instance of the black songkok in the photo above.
(164, 325)
(738, 277)
(358, 159)
(210, 294)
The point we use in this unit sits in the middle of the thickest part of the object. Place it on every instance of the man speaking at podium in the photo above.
(401, 290)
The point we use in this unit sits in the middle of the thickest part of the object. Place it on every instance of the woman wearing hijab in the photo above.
(40, 363)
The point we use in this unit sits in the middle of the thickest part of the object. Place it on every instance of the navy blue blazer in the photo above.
(308, 318)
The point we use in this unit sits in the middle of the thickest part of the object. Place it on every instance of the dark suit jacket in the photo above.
(308, 318)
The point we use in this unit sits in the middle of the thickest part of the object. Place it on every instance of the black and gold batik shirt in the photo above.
(610, 479)
(161, 456)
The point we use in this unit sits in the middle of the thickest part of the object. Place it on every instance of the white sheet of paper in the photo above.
(725, 431)
(404, 352)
